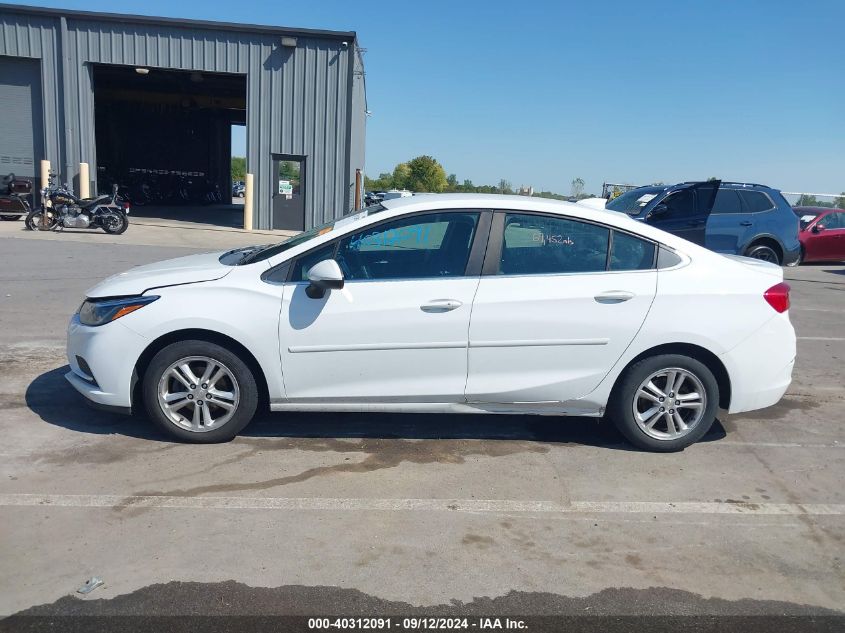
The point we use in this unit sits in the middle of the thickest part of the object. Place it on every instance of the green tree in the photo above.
(452, 182)
(401, 176)
(504, 187)
(839, 203)
(425, 174)
(238, 167)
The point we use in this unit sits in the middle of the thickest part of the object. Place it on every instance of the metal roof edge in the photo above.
(177, 22)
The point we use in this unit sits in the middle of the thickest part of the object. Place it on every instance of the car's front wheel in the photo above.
(199, 392)
(665, 403)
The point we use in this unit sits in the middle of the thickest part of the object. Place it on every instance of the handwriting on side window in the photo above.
(406, 236)
(544, 239)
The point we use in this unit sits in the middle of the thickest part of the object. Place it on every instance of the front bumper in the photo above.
(110, 352)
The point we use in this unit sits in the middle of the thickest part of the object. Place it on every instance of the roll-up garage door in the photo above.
(21, 123)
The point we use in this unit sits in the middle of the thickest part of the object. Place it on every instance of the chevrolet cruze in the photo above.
(444, 303)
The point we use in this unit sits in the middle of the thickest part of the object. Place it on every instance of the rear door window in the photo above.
(538, 244)
(756, 201)
(727, 201)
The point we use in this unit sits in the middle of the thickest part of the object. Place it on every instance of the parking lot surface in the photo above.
(361, 513)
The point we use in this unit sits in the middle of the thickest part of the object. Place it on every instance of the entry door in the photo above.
(555, 313)
(398, 329)
(288, 192)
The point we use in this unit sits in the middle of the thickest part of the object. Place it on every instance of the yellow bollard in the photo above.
(248, 203)
(45, 173)
(84, 181)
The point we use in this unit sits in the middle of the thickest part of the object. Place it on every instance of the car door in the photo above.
(828, 243)
(553, 312)
(684, 212)
(397, 330)
(728, 222)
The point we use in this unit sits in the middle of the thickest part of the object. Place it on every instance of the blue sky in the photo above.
(542, 92)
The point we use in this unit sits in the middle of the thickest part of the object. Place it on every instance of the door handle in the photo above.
(746, 223)
(441, 305)
(614, 296)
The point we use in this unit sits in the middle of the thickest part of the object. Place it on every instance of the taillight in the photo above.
(778, 297)
(126, 205)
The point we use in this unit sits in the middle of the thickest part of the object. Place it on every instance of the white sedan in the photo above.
(444, 304)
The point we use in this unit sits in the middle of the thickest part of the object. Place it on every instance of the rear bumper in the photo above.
(760, 368)
(791, 257)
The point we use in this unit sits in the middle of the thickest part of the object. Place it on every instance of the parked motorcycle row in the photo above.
(61, 209)
(161, 186)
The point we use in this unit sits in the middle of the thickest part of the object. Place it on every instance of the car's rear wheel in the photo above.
(665, 403)
(764, 252)
(199, 392)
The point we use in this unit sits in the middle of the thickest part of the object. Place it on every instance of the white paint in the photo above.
(499, 340)
(427, 505)
(820, 338)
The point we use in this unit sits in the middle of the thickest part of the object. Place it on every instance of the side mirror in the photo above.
(818, 228)
(324, 275)
(114, 188)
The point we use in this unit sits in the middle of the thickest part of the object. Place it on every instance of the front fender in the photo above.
(248, 315)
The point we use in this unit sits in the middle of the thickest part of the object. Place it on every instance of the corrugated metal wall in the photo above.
(299, 100)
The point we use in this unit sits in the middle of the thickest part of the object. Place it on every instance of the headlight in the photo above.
(100, 311)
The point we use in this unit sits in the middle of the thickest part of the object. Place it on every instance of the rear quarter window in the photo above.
(756, 201)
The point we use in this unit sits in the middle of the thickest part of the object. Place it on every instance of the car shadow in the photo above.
(56, 402)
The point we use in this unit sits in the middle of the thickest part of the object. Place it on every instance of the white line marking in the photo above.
(428, 505)
(775, 444)
(820, 338)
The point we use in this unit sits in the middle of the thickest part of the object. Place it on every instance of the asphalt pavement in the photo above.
(366, 514)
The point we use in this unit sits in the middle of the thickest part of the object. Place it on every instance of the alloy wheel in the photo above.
(198, 393)
(669, 403)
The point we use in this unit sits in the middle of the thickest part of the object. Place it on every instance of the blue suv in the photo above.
(726, 217)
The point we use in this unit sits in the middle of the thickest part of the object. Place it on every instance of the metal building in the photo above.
(148, 94)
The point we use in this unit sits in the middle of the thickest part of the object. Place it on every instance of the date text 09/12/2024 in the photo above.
(416, 623)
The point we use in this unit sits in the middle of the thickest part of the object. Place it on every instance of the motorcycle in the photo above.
(14, 194)
(61, 209)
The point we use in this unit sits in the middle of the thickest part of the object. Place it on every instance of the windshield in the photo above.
(266, 252)
(632, 202)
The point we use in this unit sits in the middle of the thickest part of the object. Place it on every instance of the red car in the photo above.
(822, 234)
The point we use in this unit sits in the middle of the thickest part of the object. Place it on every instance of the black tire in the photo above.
(33, 221)
(245, 383)
(10, 218)
(765, 253)
(621, 406)
(112, 226)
